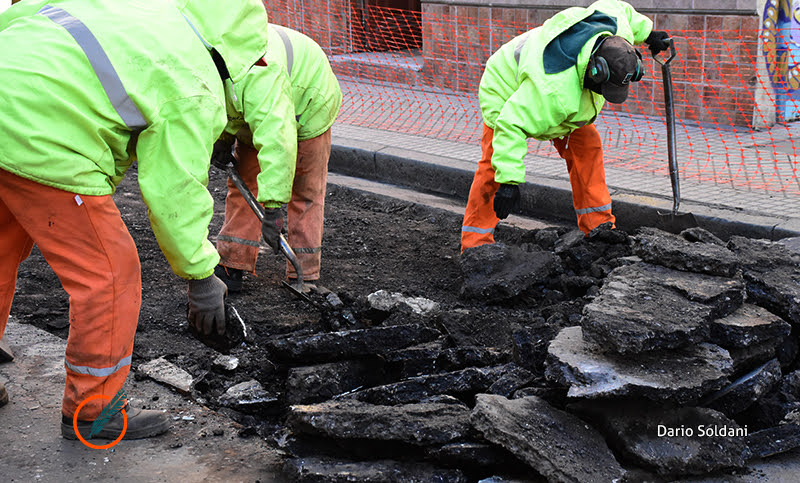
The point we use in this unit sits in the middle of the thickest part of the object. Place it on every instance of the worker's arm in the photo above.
(173, 154)
(529, 112)
(266, 102)
(640, 24)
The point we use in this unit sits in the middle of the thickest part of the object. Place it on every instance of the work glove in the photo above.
(506, 200)
(272, 227)
(222, 154)
(207, 304)
(658, 41)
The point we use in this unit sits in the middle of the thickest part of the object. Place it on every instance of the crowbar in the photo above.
(297, 287)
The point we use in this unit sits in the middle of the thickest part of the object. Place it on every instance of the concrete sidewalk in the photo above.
(379, 136)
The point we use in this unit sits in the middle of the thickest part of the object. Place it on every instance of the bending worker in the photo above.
(550, 83)
(316, 97)
(88, 87)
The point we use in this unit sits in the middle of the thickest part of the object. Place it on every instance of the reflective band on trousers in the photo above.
(593, 210)
(473, 229)
(307, 250)
(287, 44)
(240, 241)
(101, 371)
(105, 72)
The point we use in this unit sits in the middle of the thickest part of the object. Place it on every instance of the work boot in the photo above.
(142, 423)
(3, 395)
(231, 276)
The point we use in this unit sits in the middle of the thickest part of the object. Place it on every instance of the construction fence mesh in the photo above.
(736, 91)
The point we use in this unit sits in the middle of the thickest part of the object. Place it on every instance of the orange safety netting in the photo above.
(417, 73)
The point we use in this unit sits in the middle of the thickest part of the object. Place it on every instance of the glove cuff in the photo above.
(202, 284)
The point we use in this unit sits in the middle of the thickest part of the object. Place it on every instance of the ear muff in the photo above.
(637, 76)
(598, 70)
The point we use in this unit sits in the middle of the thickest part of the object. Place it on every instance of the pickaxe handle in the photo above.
(259, 211)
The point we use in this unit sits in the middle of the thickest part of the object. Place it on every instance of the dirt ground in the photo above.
(371, 243)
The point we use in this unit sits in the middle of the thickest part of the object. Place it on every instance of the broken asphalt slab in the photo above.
(555, 443)
(643, 307)
(417, 424)
(678, 375)
(668, 441)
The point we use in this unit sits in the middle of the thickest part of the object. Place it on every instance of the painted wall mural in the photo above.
(780, 36)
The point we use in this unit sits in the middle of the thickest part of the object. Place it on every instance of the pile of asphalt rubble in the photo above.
(680, 359)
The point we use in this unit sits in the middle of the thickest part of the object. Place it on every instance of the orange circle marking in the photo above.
(96, 446)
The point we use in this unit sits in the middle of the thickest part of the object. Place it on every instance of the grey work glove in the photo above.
(272, 227)
(207, 304)
(506, 200)
(222, 154)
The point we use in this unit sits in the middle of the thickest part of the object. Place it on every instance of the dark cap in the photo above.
(624, 65)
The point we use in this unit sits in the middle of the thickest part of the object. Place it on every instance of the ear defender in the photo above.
(600, 73)
(637, 76)
(598, 69)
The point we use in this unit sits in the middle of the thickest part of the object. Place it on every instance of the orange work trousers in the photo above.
(583, 152)
(239, 239)
(86, 243)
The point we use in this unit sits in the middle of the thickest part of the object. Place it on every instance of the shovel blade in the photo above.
(674, 222)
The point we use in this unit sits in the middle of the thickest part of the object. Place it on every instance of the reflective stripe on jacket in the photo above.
(523, 94)
(315, 89)
(275, 119)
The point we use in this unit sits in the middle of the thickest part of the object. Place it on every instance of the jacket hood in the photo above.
(237, 29)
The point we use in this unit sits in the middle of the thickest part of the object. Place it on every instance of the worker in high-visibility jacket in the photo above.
(316, 97)
(89, 87)
(550, 83)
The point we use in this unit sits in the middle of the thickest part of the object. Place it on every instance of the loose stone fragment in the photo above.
(249, 397)
(225, 362)
(163, 371)
(760, 254)
(385, 301)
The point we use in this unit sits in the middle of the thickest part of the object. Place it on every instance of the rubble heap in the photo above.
(651, 354)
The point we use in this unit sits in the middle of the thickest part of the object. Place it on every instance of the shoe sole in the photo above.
(68, 432)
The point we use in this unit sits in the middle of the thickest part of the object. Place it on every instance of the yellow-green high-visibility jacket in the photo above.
(532, 87)
(89, 86)
(315, 89)
(314, 98)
